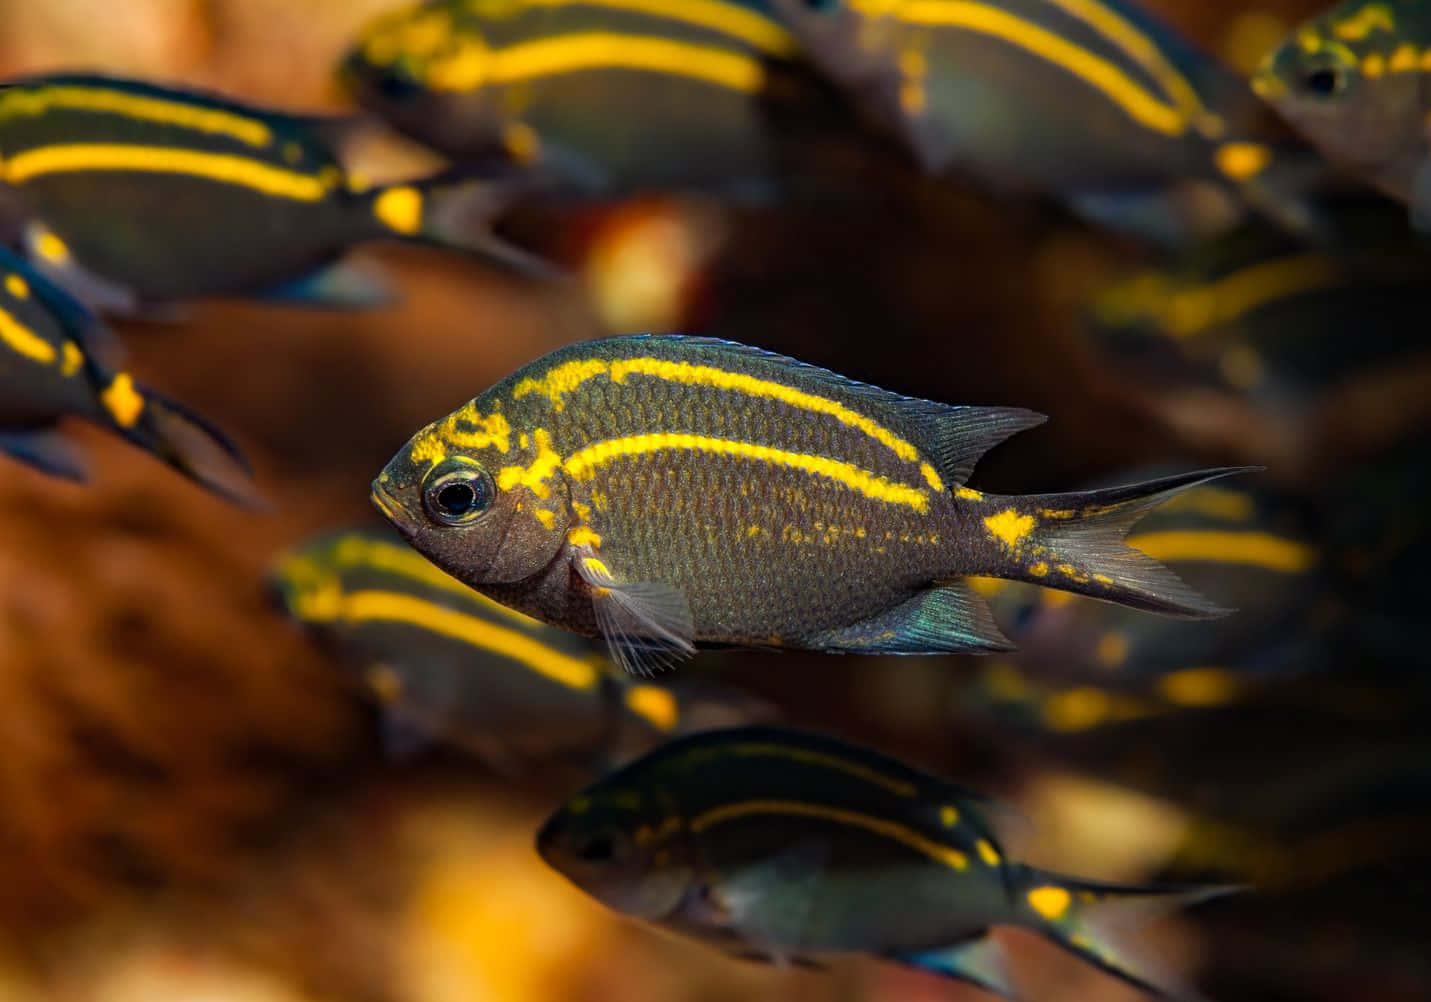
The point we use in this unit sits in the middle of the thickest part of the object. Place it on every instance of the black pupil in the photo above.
(598, 850)
(456, 498)
(393, 82)
(1323, 82)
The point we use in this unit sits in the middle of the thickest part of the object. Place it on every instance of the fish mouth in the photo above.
(390, 506)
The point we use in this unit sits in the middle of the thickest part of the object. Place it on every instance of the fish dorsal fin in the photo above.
(647, 624)
(951, 437)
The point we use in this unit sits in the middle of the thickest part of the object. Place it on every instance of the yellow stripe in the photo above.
(391, 607)
(757, 749)
(1194, 310)
(568, 376)
(225, 168)
(1215, 502)
(582, 463)
(24, 341)
(755, 30)
(356, 551)
(150, 109)
(608, 50)
(1140, 47)
(942, 854)
(1254, 549)
(1098, 73)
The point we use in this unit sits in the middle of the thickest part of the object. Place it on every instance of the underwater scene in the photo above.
(715, 501)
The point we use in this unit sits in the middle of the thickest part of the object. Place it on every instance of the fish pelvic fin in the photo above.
(1090, 919)
(1074, 542)
(182, 439)
(456, 210)
(647, 625)
(47, 451)
(980, 962)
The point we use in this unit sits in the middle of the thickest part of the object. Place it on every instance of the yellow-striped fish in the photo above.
(143, 194)
(49, 370)
(448, 664)
(662, 491)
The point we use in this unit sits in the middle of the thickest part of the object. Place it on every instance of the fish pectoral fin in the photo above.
(947, 619)
(647, 624)
(101, 294)
(981, 962)
(46, 451)
(344, 285)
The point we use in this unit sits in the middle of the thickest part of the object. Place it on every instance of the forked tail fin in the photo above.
(1074, 542)
(1089, 919)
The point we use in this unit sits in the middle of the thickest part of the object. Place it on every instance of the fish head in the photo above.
(483, 507)
(1349, 83)
(621, 847)
(426, 70)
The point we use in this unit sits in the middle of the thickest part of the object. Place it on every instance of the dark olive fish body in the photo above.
(449, 664)
(789, 846)
(49, 371)
(609, 96)
(1354, 81)
(667, 490)
(162, 193)
(1091, 100)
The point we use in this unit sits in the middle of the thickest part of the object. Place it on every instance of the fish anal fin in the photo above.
(981, 962)
(47, 451)
(346, 285)
(647, 624)
(946, 619)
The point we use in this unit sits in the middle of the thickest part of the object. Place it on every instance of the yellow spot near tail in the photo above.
(943, 854)
(400, 209)
(1112, 649)
(948, 816)
(23, 341)
(223, 168)
(385, 684)
(653, 704)
(987, 853)
(1241, 161)
(583, 464)
(583, 536)
(73, 359)
(17, 286)
(1200, 686)
(1009, 527)
(533, 477)
(51, 248)
(968, 494)
(122, 401)
(1050, 902)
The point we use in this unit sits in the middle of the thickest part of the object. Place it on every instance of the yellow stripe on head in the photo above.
(1252, 549)
(582, 464)
(943, 854)
(23, 341)
(393, 607)
(1136, 102)
(224, 168)
(161, 111)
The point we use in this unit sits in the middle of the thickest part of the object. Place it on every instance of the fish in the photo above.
(789, 847)
(1252, 551)
(53, 365)
(1093, 102)
(1351, 81)
(607, 97)
(447, 664)
(140, 194)
(662, 491)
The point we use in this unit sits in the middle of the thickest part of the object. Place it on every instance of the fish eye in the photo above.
(1324, 80)
(600, 849)
(457, 491)
(394, 82)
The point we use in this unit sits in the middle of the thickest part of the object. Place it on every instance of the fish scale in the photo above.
(666, 491)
